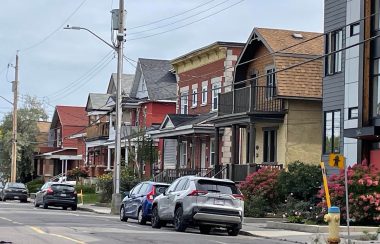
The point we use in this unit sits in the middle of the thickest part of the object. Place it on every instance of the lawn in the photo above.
(89, 198)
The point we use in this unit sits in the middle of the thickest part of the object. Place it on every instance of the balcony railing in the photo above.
(252, 99)
(100, 130)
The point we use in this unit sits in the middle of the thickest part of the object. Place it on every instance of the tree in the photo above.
(28, 115)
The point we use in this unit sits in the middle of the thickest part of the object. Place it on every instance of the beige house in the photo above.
(274, 112)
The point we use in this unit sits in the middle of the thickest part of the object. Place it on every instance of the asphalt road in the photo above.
(23, 223)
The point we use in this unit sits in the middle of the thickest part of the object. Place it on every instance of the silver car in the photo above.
(199, 201)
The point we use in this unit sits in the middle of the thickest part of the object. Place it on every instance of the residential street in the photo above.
(22, 223)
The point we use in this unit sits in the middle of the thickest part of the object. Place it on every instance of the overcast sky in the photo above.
(63, 66)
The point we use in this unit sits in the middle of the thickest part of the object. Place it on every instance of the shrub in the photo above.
(77, 172)
(301, 180)
(34, 185)
(255, 206)
(364, 194)
(86, 189)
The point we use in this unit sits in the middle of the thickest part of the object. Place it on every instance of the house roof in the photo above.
(70, 116)
(126, 84)
(303, 81)
(160, 82)
(97, 101)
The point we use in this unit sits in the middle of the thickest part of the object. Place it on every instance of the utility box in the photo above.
(115, 18)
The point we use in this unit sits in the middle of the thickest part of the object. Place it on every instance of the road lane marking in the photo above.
(219, 242)
(39, 231)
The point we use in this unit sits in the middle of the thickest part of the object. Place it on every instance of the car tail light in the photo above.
(238, 196)
(49, 191)
(197, 193)
(150, 195)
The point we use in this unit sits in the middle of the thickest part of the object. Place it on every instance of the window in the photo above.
(332, 132)
(184, 103)
(270, 139)
(353, 113)
(354, 29)
(181, 185)
(194, 98)
(59, 142)
(183, 154)
(144, 188)
(215, 91)
(136, 190)
(212, 152)
(334, 42)
(204, 95)
(376, 87)
(271, 83)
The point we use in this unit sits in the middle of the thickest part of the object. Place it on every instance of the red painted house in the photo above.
(66, 148)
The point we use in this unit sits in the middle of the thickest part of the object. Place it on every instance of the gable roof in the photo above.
(70, 116)
(97, 101)
(159, 80)
(126, 84)
(303, 81)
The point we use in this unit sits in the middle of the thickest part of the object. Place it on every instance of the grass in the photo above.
(89, 198)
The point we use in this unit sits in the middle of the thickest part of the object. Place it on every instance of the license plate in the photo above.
(218, 202)
(63, 195)
(16, 197)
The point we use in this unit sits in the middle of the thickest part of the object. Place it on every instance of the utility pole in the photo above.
(116, 196)
(14, 127)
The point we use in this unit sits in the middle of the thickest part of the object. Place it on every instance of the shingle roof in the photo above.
(97, 101)
(126, 83)
(189, 119)
(160, 81)
(70, 115)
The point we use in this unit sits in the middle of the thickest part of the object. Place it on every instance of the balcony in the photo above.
(251, 99)
(98, 131)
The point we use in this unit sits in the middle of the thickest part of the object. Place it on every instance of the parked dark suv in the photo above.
(14, 191)
(56, 194)
(138, 202)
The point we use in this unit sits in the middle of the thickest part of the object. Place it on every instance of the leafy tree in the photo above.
(28, 115)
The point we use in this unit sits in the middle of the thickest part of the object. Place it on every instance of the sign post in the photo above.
(326, 187)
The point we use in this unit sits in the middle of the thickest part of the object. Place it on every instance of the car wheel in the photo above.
(179, 222)
(64, 208)
(122, 214)
(233, 231)
(45, 205)
(140, 217)
(155, 220)
(36, 204)
(74, 208)
(204, 229)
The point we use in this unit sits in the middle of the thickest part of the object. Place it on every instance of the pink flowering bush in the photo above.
(364, 194)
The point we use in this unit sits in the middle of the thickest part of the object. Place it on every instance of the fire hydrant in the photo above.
(333, 218)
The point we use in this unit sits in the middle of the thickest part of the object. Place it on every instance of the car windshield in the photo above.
(66, 188)
(161, 189)
(16, 185)
(217, 186)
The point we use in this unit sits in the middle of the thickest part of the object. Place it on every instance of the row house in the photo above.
(200, 75)
(64, 152)
(274, 109)
(351, 100)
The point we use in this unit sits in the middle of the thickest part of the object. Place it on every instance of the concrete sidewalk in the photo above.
(93, 208)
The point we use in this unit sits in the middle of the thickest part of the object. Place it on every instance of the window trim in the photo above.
(352, 26)
(272, 83)
(204, 95)
(216, 90)
(212, 151)
(194, 98)
(331, 46)
(350, 113)
(184, 105)
(331, 150)
(274, 130)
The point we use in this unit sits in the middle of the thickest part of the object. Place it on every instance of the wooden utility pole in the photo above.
(14, 128)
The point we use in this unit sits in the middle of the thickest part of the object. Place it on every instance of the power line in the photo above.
(54, 31)
(178, 21)
(182, 26)
(160, 20)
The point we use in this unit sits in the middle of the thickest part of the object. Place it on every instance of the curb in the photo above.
(90, 210)
(247, 233)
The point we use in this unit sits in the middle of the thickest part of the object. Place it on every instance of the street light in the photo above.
(116, 196)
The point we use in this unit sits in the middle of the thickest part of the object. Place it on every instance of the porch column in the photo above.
(62, 167)
(234, 152)
(178, 154)
(108, 158)
(216, 145)
(251, 148)
(126, 154)
(66, 167)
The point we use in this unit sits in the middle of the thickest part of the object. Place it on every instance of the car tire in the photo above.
(36, 204)
(4, 200)
(140, 217)
(179, 223)
(45, 205)
(122, 215)
(74, 208)
(233, 231)
(155, 220)
(205, 229)
(24, 201)
(64, 208)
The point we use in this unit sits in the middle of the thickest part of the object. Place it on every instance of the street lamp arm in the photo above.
(82, 28)
(6, 100)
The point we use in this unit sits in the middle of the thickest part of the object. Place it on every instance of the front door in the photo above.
(203, 155)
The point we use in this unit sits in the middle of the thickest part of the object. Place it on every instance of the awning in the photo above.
(370, 133)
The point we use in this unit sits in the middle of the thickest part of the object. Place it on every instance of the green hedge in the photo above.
(86, 189)
(34, 185)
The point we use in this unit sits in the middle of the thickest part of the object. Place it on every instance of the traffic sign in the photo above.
(336, 160)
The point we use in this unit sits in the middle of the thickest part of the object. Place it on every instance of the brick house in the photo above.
(64, 152)
(275, 115)
(201, 75)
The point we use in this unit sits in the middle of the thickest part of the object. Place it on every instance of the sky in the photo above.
(61, 67)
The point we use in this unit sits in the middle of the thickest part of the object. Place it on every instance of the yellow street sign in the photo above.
(336, 160)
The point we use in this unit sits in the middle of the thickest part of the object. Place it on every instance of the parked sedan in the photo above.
(199, 201)
(138, 202)
(14, 191)
(58, 195)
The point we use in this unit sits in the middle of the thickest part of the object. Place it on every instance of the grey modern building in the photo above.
(351, 95)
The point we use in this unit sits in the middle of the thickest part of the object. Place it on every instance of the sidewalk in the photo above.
(94, 208)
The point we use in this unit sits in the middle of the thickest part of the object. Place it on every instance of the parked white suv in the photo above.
(200, 201)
